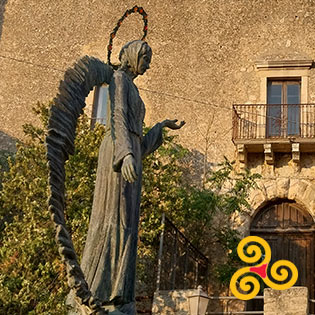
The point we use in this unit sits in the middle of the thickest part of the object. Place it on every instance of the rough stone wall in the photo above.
(283, 180)
(171, 302)
(176, 302)
(204, 53)
(293, 301)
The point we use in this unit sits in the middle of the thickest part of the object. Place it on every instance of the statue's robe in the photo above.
(109, 257)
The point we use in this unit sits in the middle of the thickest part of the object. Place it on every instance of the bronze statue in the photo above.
(106, 282)
(109, 259)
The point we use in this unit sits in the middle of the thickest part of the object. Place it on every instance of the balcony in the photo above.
(273, 128)
(278, 124)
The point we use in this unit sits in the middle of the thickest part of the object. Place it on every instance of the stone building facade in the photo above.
(208, 55)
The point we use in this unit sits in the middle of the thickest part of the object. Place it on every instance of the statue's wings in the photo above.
(67, 107)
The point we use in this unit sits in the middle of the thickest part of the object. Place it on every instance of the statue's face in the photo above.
(144, 61)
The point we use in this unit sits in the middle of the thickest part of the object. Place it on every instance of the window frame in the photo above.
(284, 69)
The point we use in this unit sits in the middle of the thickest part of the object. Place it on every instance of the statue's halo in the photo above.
(135, 9)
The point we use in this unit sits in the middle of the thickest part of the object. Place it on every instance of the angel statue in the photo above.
(105, 281)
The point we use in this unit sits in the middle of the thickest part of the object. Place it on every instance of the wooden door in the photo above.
(289, 230)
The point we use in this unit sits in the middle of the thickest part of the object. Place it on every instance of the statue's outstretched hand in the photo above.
(128, 169)
(172, 124)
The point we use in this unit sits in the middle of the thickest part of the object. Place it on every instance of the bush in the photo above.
(32, 277)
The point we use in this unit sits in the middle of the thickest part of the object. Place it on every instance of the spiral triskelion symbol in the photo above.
(245, 283)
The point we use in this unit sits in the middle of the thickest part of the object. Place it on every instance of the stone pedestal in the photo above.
(171, 302)
(293, 301)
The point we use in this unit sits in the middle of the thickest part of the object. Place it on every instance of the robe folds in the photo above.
(109, 257)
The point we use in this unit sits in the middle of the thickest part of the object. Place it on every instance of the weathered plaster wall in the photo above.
(204, 51)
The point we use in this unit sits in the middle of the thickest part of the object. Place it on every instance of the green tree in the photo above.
(195, 209)
(32, 277)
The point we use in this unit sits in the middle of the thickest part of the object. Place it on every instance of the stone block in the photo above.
(171, 302)
(297, 189)
(242, 156)
(269, 154)
(293, 301)
(308, 195)
(271, 190)
(283, 185)
(296, 152)
(256, 198)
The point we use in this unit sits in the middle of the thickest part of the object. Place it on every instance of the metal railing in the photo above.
(181, 265)
(260, 121)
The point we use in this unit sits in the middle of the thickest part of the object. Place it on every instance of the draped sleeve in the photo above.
(118, 93)
(152, 140)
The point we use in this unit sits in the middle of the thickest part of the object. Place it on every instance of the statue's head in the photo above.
(136, 57)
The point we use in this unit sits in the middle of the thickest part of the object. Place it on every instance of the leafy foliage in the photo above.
(201, 213)
(32, 277)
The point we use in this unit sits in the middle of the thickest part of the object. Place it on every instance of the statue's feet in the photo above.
(112, 310)
(85, 310)
(101, 312)
(128, 309)
(116, 312)
(125, 309)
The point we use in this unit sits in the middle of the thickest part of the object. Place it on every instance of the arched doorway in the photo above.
(289, 230)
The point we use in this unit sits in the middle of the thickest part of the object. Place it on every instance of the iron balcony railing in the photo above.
(261, 121)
